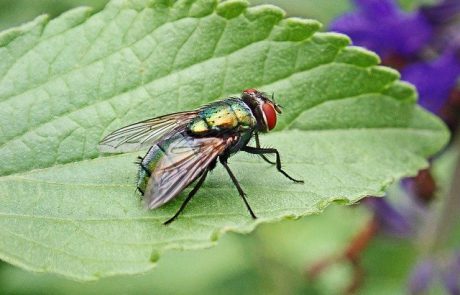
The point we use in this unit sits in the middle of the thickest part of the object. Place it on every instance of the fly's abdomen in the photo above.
(172, 164)
(167, 156)
(155, 159)
(221, 116)
(147, 167)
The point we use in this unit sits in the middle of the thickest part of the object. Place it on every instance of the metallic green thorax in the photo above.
(229, 114)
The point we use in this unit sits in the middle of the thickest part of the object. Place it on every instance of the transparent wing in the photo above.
(145, 133)
(182, 160)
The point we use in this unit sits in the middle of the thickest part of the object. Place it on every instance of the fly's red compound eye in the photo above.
(250, 91)
(270, 115)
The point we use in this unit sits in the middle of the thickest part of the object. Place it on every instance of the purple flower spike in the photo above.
(451, 276)
(421, 277)
(390, 220)
(443, 12)
(434, 79)
(445, 19)
(382, 27)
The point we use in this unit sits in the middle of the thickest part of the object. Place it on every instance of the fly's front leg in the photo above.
(238, 187)
(262, 151)
(256, 136)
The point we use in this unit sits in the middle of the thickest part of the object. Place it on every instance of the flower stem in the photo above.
(440, 228)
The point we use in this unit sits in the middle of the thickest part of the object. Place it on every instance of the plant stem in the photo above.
(441, 227)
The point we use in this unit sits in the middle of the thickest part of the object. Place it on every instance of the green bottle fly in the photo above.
(185, 146)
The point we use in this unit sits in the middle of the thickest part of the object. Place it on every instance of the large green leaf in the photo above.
(350, 127)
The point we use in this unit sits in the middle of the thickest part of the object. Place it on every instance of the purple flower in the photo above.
(421, 277)
(389, 218)
(442, 13)
(382, 27)
(426, 271)
(445, 19)
(451, 275)
(434, 79)
(424, 45)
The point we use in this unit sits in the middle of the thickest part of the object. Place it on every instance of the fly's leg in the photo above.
(256, 136)
(238, 187)
(189, 197)
(261, 151)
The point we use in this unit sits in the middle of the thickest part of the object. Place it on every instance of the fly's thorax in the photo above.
(242, 140)
(222, 116)
(198, 126)
(242, 112)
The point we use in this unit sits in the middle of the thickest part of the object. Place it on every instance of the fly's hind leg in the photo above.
(189, 197)
(223, 160)
(262, 151)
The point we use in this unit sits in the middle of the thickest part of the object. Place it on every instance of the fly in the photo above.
(185, 146)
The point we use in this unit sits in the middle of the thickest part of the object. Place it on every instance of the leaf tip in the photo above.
(232, 8)
(295, 29)
(358, 56)
(402, 91)
(386, 72)
(202, 8)
(67, 20)
(9, 35)
(265, 10)
(335, 39)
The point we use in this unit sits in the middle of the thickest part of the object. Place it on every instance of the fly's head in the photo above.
(264, 109)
